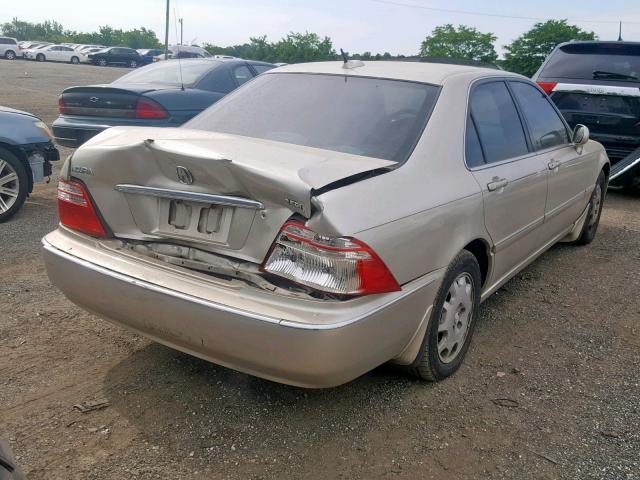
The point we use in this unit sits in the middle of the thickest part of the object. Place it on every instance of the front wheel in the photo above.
(452, 321)
(40, 57)
(133, 64)
(595, 211)
(75, 60)
(102, 62)
(13, 184)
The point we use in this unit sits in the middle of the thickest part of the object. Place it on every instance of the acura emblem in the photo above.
(184, 175)
(93, 99)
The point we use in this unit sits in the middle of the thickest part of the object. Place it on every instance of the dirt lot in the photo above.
(561, 342)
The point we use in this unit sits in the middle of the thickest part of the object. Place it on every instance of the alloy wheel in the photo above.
(10, 55)
(596, 205)
(457, 313)
(9, 186)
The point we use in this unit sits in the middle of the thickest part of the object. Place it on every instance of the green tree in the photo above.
(304, 47)
(527, 52)
(462, 42)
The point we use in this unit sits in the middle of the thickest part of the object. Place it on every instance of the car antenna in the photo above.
(175, 16)
(350, 63)
(620, 32)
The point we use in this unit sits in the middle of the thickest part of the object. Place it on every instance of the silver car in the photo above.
(326, 218)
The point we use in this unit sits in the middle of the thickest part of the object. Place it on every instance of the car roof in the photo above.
(434, 73)
(597, 42)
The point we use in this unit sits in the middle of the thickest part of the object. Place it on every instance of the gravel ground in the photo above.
(561, 342)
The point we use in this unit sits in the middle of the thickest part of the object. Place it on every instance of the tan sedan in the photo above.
(326, 218)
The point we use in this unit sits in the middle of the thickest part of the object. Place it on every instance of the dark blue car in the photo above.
(164, 94)
(26, 151)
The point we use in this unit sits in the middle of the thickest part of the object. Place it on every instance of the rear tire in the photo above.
(40, 57)
(595, 211)
(14, 183)
(452, 322)
(10, 55)
(75, 60)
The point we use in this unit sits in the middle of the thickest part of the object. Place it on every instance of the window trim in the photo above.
(472, 86)
(526, 123)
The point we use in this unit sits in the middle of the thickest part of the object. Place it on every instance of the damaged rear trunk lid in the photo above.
(220, 193)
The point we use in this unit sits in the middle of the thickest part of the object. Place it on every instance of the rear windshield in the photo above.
(362, 116)
(586, 61)
(169, 72)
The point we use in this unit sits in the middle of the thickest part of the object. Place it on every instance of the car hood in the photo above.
(13, 110)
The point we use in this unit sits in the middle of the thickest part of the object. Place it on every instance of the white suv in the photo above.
(9, 48)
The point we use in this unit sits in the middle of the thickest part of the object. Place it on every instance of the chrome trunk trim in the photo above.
(190, 196)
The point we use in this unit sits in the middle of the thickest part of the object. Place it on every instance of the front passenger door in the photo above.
(512, 178)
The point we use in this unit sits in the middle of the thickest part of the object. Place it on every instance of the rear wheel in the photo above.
(10, 55)
(13, 184)
(75, 60)
(40, 57)
(595, 210)
(452, 321)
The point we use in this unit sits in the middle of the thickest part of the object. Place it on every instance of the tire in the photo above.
(133, 64)
(40, 57)
(102, 62)
(75, 60)
(592, 221)
(14, 183)
(10, 55)
(457, 304)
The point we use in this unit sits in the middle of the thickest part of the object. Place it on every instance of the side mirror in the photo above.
(580, 135)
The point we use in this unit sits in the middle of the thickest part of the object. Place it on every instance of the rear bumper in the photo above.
(309, 343)
(73, 133)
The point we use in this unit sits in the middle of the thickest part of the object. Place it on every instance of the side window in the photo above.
(242, 74)
(261, 68)
(545, 125)
(472, 148)
(4, 41)
(496, 119)
(219, 80)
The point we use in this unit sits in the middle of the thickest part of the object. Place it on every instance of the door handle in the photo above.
(497, 183)
(553, 165)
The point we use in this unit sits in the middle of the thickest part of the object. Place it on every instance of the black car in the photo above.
(116, 56)
(164, 94)
(26, 151)
(147, 54)
(598, 84)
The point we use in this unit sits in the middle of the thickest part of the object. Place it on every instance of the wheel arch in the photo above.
(23, 158)
(480, 249)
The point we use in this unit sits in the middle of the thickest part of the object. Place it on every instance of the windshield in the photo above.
(168, 73)
(599, 61)
(357, 115)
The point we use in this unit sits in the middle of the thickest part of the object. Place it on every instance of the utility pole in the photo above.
(181, 20)
(166, 35)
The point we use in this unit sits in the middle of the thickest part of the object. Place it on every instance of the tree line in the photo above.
(523, 55)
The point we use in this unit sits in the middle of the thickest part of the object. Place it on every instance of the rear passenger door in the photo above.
(512, 178)
(570, 172)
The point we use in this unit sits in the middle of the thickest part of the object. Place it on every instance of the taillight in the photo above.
(547, 86)
(76, 209)
(61, 106)
(340, 265)
(147, 108)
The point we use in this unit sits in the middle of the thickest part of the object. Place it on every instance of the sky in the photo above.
(396, 26)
